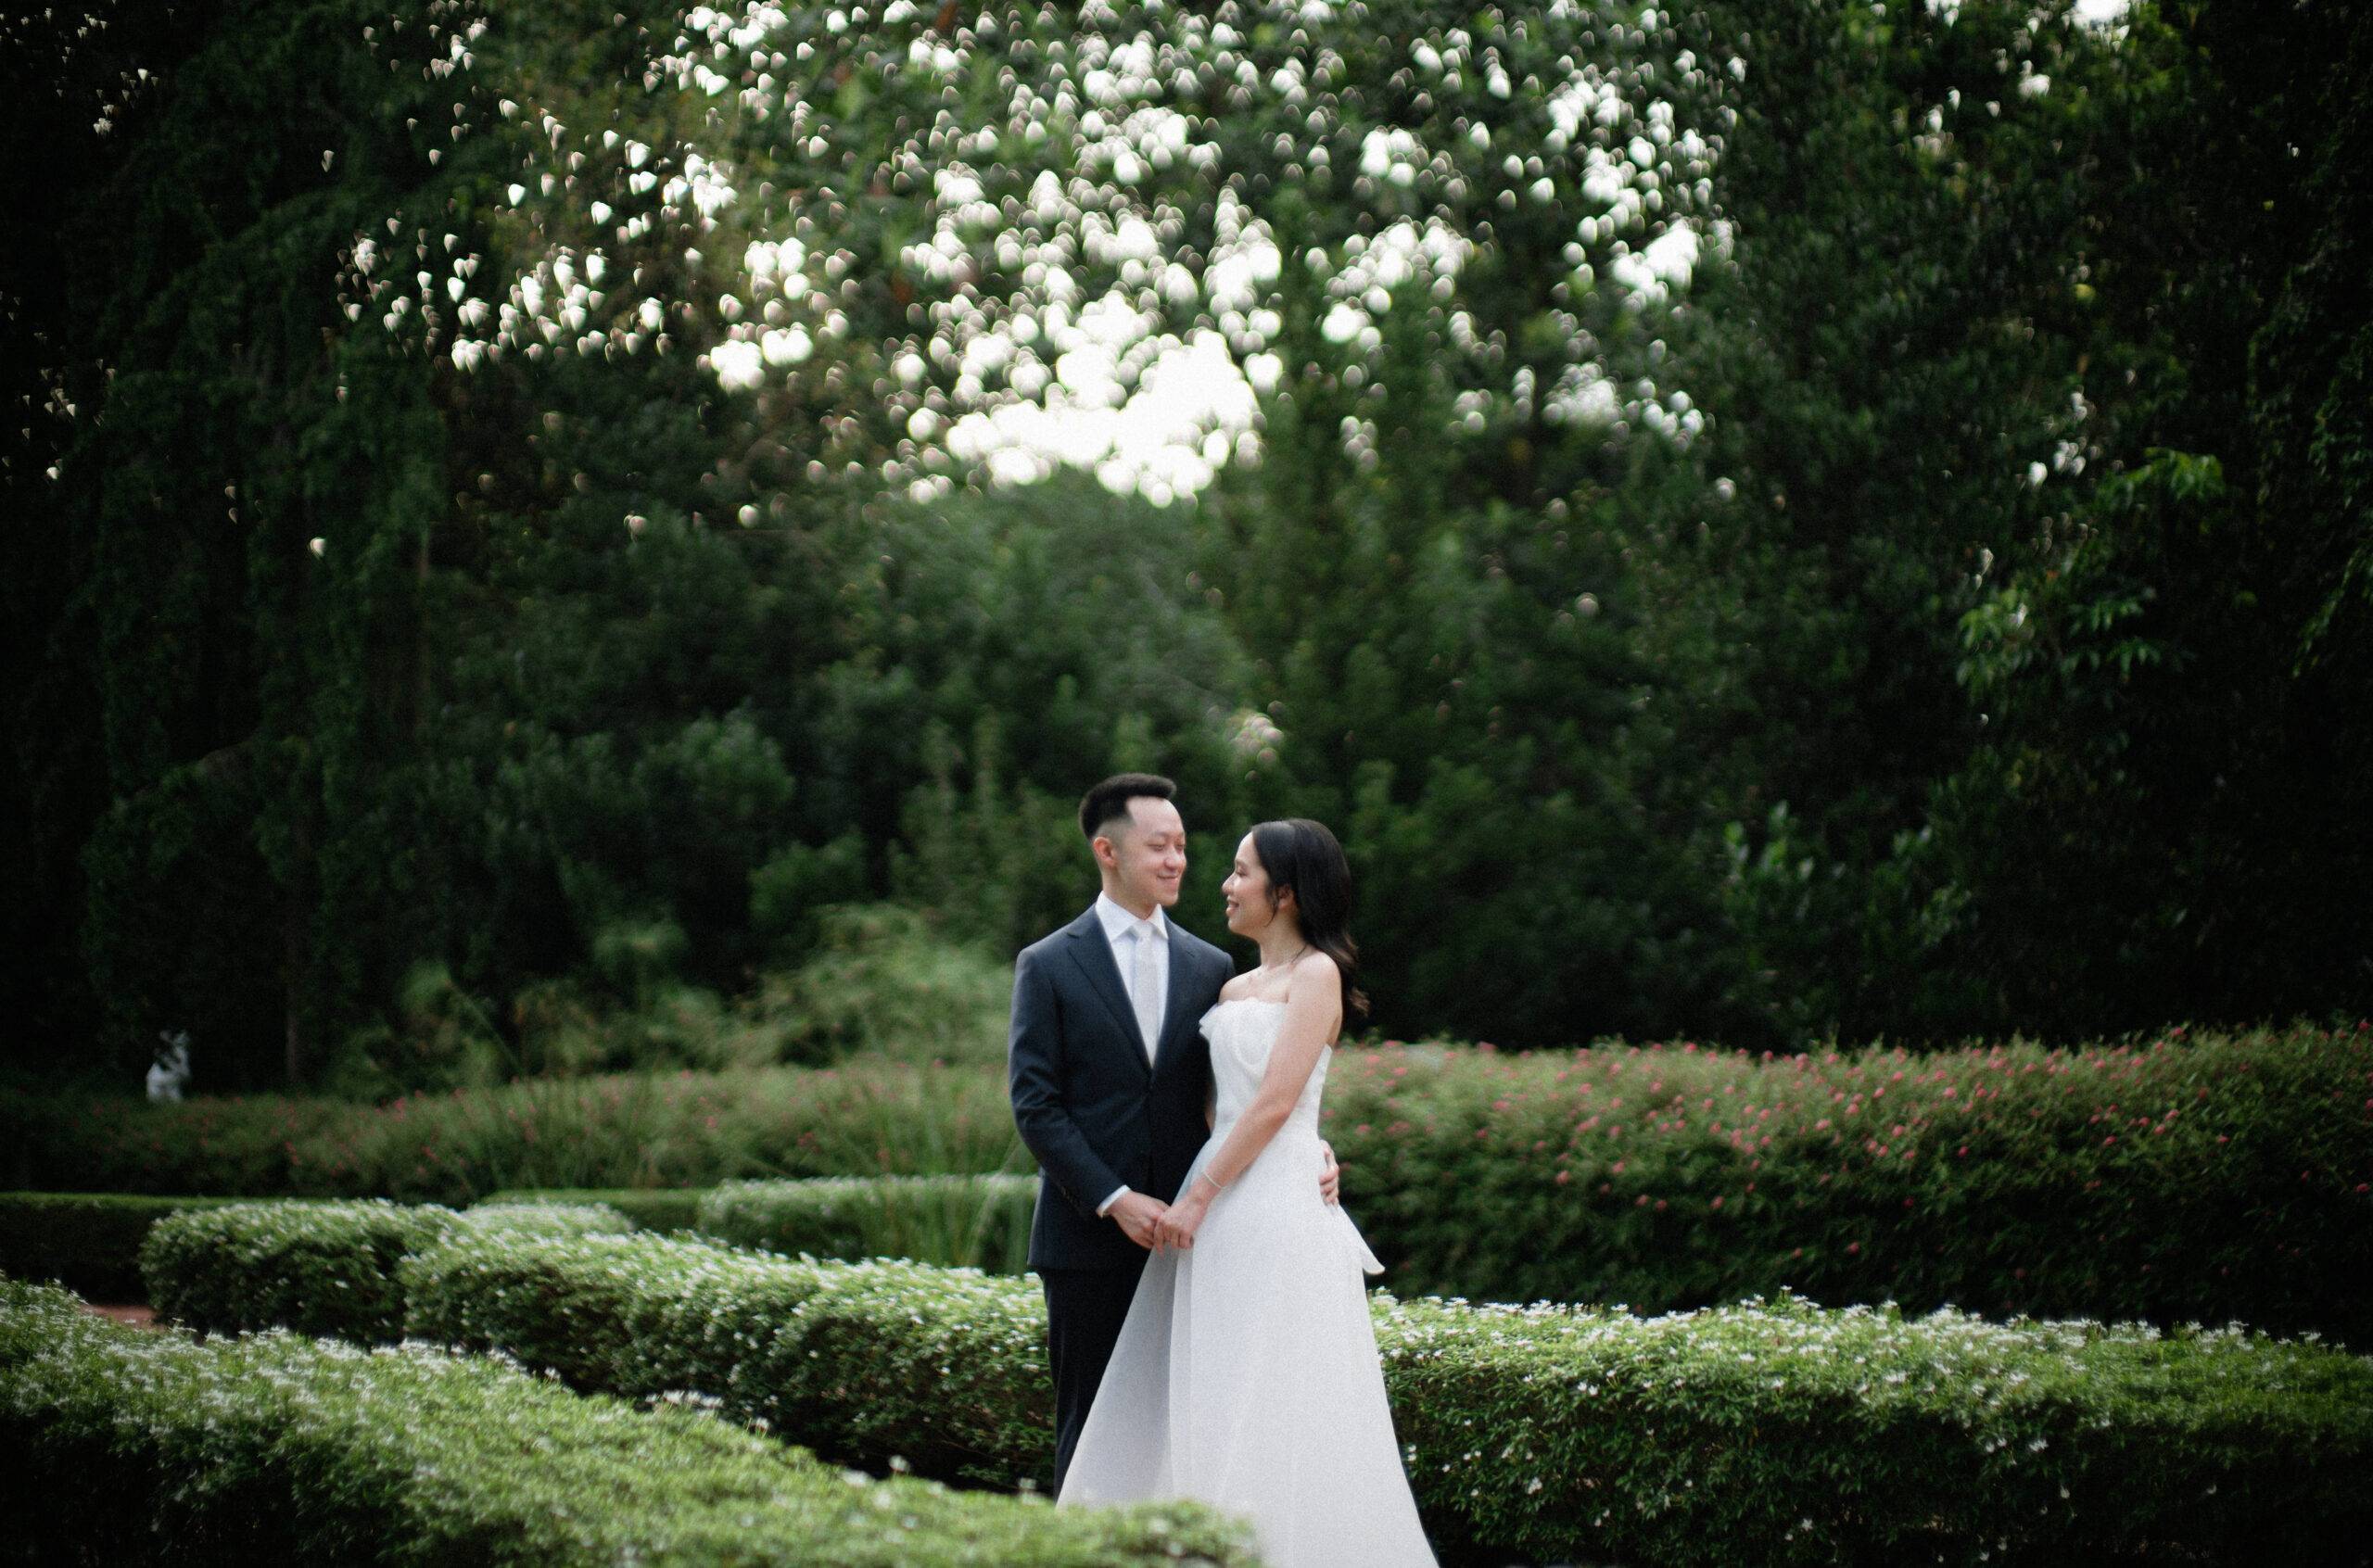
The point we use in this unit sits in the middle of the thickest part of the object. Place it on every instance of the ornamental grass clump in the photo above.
(2168, 1179)
(960, 1221)
(276, 1449)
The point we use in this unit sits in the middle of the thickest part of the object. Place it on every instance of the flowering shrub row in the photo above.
(941, 1369)
(1768, 1430)
(970, 1221)
(281, 1450)
(635, 1130)
(2169, 1180)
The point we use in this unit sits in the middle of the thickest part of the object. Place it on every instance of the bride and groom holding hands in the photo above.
(1207, 1317)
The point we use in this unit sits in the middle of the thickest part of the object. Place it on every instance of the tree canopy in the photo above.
(1754, 520)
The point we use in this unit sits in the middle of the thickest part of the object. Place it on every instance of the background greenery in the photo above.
(1946, 612)
(2173, 1179)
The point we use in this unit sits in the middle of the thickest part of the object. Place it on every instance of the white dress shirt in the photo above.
(1123, 929)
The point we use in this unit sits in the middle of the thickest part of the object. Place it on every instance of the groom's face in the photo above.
(1150, 852)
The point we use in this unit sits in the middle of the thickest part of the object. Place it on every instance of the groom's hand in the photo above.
(1330, 1180)
(1138, 1214)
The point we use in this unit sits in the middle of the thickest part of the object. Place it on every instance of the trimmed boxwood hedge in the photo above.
(1770, 1431)
(961, 1221)
(843, 1357)
(274, 1450)
(651, 1209)
(320, 1267)
(90, 1242)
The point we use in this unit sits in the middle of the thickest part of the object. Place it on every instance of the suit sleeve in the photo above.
(1035, 1078)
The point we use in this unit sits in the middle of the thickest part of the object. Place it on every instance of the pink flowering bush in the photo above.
(2173, 1179)
(625, 1130)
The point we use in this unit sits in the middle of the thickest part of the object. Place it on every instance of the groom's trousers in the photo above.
(1084, 1310)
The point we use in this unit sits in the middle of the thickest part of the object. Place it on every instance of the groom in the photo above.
(1109, 1075)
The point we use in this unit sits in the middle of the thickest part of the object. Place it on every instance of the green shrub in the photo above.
(2169, 1180)
(649, 1209)
(241, 1146)
(2174, 1180)
(280, 1450)
(634, 1130)
(1779, 1431)
(88, 1241)
(841, 1357)
(963, 1221)
(884, 983)
(316, 1268)
(537, 1217)
(1783, 1432)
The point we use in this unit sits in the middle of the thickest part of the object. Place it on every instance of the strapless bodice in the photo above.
(1241, 1032)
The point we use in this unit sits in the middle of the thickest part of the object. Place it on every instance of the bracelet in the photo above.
(1217, 1185)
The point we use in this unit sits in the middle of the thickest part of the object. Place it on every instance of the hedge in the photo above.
(145, 1447)
(969, 1221)
(2169, 1179)
(656, 1131)
(317, 1268)
(90, 1242)
(1773, 1431)
(2172, 1178)
(651, 1209)
(839, 1355)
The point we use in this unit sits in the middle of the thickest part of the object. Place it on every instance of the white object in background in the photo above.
(170, 1072)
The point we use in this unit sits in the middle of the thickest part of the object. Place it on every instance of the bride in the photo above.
(1246, 1373)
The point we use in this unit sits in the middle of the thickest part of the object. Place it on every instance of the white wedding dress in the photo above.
(1246, 1373)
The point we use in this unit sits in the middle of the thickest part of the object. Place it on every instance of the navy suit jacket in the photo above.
(1087, 1103)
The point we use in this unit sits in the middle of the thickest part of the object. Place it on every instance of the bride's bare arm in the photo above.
(1313, 1011)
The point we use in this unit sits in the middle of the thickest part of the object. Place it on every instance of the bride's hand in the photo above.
(1177, 1226)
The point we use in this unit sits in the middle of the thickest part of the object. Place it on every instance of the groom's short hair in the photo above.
(1109, 801)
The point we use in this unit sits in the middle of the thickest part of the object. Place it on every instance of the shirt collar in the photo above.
(1117, 921)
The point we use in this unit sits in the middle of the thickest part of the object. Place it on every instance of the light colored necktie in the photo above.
(1143, 988)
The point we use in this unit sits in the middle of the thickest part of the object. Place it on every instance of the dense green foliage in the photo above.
(629, 1130)
(315, 1267)
(1771, 1431)
(961, 1221)
(2173, 1181)
(2175, 1178)
(942, 1370)
(148, 1447)
(1758, 520)
(647, 1208)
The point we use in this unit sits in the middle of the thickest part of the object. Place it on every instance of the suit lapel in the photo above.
(1093, 954)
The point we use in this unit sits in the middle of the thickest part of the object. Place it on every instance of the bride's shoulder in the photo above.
(1317, 965)
(1315, 973)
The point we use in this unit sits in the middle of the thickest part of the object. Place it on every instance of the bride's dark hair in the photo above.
(1299, 854)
